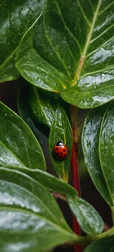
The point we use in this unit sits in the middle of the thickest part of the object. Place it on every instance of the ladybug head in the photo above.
(59, 143)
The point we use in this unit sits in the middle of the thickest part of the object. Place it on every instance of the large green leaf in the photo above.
(39, 131)
(106, 148)
(30, 219)
(70, 50)
(61, 130)
(51, 182)
(103, 245)
(86, 215)
(42, 105)
(18, 146)
(37, 107)
(90, 145)
(15, 19)
(25, 111)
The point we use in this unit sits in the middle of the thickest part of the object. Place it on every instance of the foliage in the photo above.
(62, 52)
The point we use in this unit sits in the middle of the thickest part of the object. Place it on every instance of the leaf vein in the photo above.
(38, 99)
(105, 9)
(103, 44)
(91, 5)
(72, 35)
(83, 14)
(100, 35)
(51, 45)
(98, 71)
(37, 215)
(82, 58)
(12, 154)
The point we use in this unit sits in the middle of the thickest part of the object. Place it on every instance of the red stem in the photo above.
(75, 173)
(74, 164)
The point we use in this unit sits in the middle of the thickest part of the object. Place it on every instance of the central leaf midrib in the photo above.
(82, 58)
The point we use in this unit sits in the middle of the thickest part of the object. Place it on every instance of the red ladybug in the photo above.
(60, 150)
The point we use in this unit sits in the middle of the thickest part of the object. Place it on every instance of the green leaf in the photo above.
(26, 113)
(86, 215)
(103, 245)
(106, 149)
(48, 180)
(30, 219)
(15, 19)
(42, 105)
(18, 146)
(8, 72)
(37, 107)
(91, 91)
(61, 130)
(90, 145)
(70, 50)
(39, 131)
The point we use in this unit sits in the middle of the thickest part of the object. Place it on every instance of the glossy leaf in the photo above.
(28, 220)
(61, 130)
(86, 215)
(106, 149)
(24, 107)
(38, 130)
(70, 50)
(35, 58)
(18, 145)
(90, 145)
(91, 91)
(15, 19)
(102, 245)
(25, 113)
(38, 107)
(43, 106)
(49, 181)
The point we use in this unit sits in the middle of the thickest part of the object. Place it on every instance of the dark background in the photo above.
(8, 95)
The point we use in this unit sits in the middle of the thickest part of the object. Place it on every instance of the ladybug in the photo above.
(60, 150)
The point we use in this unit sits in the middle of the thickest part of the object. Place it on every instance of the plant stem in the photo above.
(75, 173)
(112, 208)
(60, 196)
(74, 164)
(105, 234)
